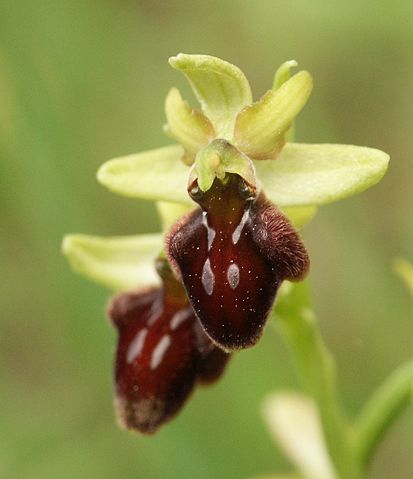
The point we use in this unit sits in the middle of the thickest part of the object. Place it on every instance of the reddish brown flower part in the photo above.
(232, 254)
(162, 352)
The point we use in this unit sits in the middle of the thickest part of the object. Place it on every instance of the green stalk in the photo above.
(317, 370)
(381, 410)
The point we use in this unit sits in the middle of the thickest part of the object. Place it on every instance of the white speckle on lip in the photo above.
(155, 311)
(210, 231)
(238, 230)
(160, 350)
(208, 278)
(233, 275)
(136, 346)
(179, 317)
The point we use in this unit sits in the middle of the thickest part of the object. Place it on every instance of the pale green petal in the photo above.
(221, 88)
(152, 175)
(170, 212)
(281, 76)
(300, 215)
(260, 128)
(306, 174)
(189, 127)
(294, 423)
(405, 270)
(119, 262)
(283, 73)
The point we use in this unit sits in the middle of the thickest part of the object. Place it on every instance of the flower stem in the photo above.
(317, 369)
(381, 410)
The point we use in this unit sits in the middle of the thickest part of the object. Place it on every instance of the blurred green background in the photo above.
(82, 81)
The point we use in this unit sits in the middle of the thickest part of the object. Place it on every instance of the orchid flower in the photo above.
(230, 192)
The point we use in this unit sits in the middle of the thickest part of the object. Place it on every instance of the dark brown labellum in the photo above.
(232, 254)
(162, 352)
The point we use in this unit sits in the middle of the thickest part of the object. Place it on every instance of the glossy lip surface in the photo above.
(162, 352)
(232, 255)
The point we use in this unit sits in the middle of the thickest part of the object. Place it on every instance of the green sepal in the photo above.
(311, 174)
(120, 263)
(302, 175)
(170, 212)
(300, 215)
(281, 76)
(260, 128)
(157, 175)
(220, 87)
